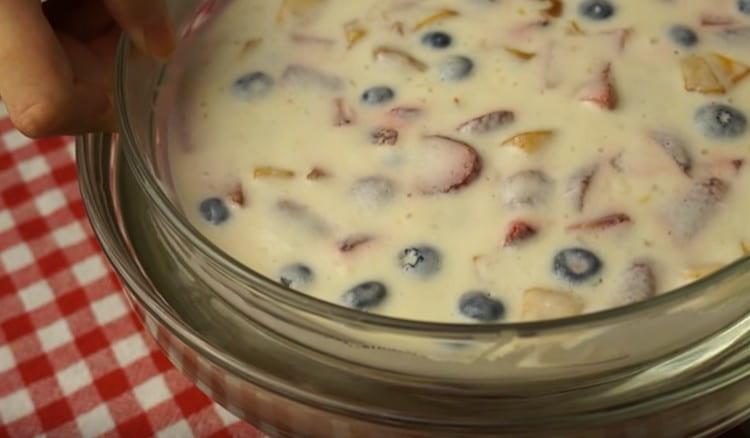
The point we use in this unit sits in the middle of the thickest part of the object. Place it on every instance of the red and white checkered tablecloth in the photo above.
(74, 360)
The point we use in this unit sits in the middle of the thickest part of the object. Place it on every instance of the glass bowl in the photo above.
(297, 366)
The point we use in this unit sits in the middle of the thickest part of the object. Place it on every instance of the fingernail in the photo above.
(155, 38)
(159, 38)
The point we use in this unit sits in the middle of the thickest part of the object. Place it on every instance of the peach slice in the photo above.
(434, 18)
(299, 9)
(354, 33)
(529, 141)
(269, 172)
(730, 69)
(699, 76)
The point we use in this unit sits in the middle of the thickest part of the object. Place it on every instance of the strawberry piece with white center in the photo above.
(487, 122)
(518, 231)
(674, 147)
(448, 165)
(689, 215)
(600, 91)
(601, 223)
(579, 184)
(636, 283)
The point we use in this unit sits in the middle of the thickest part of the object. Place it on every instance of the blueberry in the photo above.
(214, 211)
(373, 191)
(421, 261)
(683, 35)
(378, 95)
(744, 6)
(365, 296)
(456, 68)
(576, 265)
(480, 306)
(720, 121)
(252, 85)
(437, 40)
(596, 9)
(296, 276)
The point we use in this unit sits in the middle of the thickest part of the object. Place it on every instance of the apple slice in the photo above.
(344, 113)
(448, 165)
(304, 76)
(398, 57)
(544, 304)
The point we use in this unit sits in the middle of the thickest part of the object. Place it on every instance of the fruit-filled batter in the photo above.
(469, 160)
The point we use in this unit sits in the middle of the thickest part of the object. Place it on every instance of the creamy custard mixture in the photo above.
(470, 160)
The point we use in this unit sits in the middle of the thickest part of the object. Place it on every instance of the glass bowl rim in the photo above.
(310, 305)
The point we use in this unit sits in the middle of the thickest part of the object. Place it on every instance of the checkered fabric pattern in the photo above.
(74, 360)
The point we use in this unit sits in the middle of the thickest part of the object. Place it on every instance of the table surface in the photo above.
(74, 359)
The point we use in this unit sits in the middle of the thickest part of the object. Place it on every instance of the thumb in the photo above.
(147, 23)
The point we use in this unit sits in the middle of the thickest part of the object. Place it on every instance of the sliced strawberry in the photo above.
(518, 231)
(406, 113)
(344, 113)
(616, 163)
(311, 40)
(600, 91)
(384, 136)
(726, 167)
(237, 196)
(621, 36)
(636, 283)
(579, 184)
(353, 242)
(674, 147)
(317, 173)
(711, 19)
(487, 122)
(688, 216)
(601, 223)
(449, 165)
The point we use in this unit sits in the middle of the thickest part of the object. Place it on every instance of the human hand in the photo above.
(56, 59)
